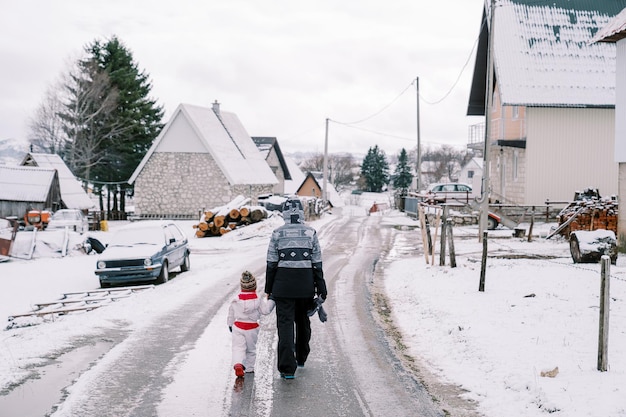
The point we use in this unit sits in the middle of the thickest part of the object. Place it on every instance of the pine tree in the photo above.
(375, 170)
(139, 113)
(402, 177)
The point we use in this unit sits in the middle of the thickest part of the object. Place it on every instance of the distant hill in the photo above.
(12, 151)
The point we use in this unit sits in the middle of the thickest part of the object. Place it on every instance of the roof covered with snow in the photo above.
(297, 177)
(614, 30)
(20, 183)
(72, 192)
(225, 138)
(544, 55)
(265, 144)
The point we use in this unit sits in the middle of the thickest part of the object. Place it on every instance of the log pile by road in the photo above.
(588, 214)
(221, 220)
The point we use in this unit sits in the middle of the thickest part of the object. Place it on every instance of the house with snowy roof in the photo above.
(270, 148)
(73, 196)
(203, 158)
(615, 32)
(552, 114)
(310, 187)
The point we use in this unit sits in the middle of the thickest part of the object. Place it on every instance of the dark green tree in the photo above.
(402, 176)
(375, 170)
(135, 110)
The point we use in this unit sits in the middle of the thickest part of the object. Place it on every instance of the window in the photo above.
(175, 232)
(515, 164)
(515, 112)
(470, 174)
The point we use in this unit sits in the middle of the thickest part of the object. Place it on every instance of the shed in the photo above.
(310, 187)
(24, 188)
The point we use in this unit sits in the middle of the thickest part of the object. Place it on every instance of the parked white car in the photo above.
(73, 219)
(453, 192)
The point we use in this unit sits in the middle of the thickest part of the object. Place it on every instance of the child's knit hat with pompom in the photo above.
(248, 282)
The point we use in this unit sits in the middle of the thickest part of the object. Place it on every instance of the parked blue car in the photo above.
(142, 252)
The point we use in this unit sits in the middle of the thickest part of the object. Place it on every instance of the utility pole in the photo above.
(418, 168)
(325, 181)
(484, 203)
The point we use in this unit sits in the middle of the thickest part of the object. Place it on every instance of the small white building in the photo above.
(472, 173)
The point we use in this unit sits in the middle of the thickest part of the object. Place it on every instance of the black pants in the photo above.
(293, 345)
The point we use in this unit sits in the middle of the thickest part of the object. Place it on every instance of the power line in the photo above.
(371, 131)
(460, 73)
(382, 109)
(452, 87)
(385, 134)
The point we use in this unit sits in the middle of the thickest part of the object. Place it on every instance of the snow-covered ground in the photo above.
(538, 312)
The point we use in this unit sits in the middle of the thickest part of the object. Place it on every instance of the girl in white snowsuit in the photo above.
(243, 321)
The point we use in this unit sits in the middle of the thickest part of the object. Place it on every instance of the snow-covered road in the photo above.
(170, 348)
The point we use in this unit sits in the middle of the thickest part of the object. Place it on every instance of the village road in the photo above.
(352, 369)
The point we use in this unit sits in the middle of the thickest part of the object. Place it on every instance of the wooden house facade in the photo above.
(24, 188)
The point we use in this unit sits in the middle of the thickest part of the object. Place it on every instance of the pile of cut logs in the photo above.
(221, 220)
(588, 214)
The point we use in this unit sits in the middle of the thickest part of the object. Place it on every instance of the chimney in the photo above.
(216, 108)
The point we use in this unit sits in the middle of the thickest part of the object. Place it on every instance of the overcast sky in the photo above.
(283, 66)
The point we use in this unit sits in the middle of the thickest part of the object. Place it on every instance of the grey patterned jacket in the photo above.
(294, 258)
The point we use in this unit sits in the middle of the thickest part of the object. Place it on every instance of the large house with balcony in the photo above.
(553, 105)
(615, 32)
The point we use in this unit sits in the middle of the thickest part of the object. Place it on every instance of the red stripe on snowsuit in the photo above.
(246, 326)
(247, 296)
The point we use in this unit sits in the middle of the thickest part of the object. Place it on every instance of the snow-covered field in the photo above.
(538, 315)
(535, 315)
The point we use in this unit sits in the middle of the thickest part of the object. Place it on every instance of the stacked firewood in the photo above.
(221, 220)
(589, 214)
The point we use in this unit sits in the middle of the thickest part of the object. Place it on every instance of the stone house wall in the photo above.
(184, 184)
